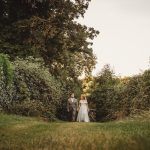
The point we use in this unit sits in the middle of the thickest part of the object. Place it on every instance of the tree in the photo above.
(104, 94)
(47, 29)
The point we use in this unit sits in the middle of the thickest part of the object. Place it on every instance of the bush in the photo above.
(116, 98)
(35, 92)
(6, 81)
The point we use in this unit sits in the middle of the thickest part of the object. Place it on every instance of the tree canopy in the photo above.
(48, 29)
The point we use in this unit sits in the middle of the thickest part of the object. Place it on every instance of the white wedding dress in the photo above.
(83, 111)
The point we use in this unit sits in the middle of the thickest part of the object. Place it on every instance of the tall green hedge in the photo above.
(116, 98)
(34, 91)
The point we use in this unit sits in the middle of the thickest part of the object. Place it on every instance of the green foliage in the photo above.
(116, 98)
(145, 91)
(103, 94)
(6, 81)
(35, 92)
(88, 85)
(47, 41)
(35, 84)
(48, 29)
(6, 70)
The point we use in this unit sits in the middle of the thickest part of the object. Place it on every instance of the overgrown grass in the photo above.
(24, 133)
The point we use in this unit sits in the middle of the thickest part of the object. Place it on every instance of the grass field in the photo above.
(23, 133)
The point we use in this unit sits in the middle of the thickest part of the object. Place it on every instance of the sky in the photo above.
(124, 39)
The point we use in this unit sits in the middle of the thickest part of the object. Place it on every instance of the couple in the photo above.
(82, 108)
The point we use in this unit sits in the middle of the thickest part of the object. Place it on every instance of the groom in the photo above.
(72, 106)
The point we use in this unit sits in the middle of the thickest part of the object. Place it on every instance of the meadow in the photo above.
(21, 133)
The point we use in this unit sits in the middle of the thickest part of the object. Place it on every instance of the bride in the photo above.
(83, 110)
